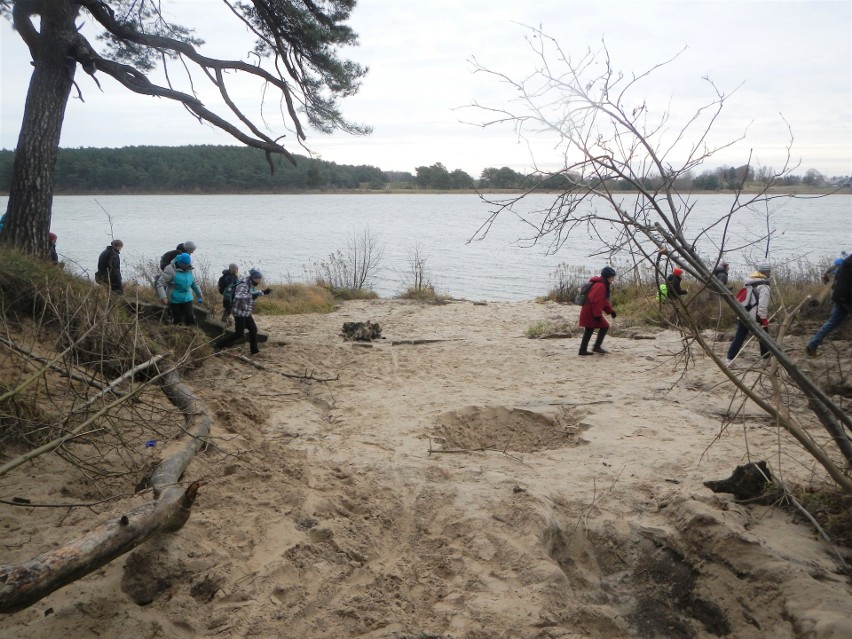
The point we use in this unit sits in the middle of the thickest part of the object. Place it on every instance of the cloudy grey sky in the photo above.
(793, 59)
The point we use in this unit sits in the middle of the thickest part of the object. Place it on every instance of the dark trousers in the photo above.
(739, 340)
(587, 335)
(182, 313)
(240, 326)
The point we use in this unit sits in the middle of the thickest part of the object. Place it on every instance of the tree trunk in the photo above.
(31, 189)
(21, 585)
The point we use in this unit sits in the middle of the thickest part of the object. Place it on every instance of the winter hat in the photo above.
(183, 259)
(678, 272)
(52, 237)
(255, 274)
(764, 267)
(189, 247)
(607, 271)
(233, 268)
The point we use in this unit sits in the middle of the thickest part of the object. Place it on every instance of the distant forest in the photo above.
(235, 169)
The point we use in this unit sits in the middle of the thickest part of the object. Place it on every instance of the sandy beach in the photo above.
(456, 479)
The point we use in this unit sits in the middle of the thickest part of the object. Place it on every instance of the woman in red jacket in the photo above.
(592, 312)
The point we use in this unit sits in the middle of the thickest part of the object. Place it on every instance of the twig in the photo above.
(52, 445)
(40, 372)
(59, 369)
(416, 342)
(816, 525)
(475, 450)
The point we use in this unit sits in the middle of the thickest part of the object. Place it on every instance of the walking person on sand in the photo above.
(109, 267)
(756, 302)
(176, 284)
(592, 313)
(229, 276)
(841, 297)
(245, 295)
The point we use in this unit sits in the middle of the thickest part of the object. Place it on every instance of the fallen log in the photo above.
(24, 584)
(205, 319)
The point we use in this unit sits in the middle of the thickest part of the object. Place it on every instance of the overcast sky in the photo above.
(794, 59)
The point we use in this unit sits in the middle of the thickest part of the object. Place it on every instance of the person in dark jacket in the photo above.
(51, 243)
(229, 276)
(592, 313)
(674, 283)
(109, 267)
(169, 256)
(721, 272)
(245, 295)
(841, 298)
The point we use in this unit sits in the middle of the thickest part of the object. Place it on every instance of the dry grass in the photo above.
(295, 299)
(426, 294)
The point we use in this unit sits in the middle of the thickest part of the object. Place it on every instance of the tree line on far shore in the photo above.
(235, 169)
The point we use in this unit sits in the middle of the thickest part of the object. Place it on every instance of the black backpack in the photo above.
(226, 280)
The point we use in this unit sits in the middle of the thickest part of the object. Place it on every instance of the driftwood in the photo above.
(361, 331)
(206, 319)
(24, 584)
(749, 481)
(306, 376)
(417, 342)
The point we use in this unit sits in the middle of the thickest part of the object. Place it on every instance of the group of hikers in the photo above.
(177, 288)
(754, 296)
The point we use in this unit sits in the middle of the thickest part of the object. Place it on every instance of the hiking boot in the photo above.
(585, 353)
(601, 350)
(811, 350)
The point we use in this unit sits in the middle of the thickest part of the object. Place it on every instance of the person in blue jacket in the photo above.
(176, 285)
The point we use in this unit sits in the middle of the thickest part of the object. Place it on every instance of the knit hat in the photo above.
(678, 272)
(607, 271)
(764, 267)
(183, 259)
(189, 246)
(52, 237)
(255, 274)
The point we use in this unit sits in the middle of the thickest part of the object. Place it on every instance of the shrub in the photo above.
(292, 299)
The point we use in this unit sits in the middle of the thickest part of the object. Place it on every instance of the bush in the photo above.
(293, 299)
(424, 294)
(634, 295)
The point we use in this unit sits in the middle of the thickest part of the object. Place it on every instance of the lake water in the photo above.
(285, 234)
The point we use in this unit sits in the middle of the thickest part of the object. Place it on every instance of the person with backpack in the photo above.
(169, 256)
(754, 296)
(245, 294)
(226, 285)
(176, 284)
(721, 272)
(675, 283)
(592, 313)
(109, 267)
(841, 308)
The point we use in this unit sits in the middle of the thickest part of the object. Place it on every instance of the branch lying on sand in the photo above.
(311, 376)
(24, 584)
(56, 367)
(417, 342)
(476, 450)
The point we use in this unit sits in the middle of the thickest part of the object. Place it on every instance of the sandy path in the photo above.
(577, 511)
